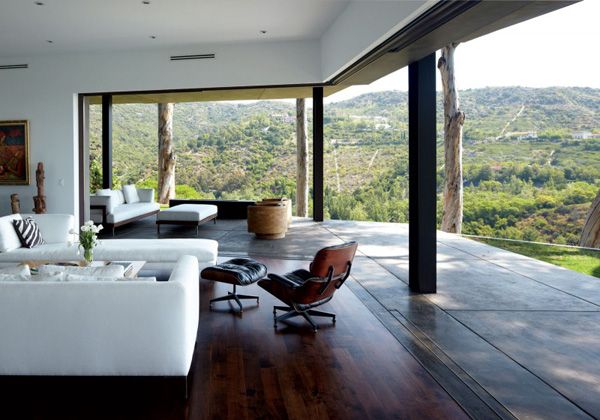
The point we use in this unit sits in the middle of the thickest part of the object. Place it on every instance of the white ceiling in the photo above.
(103, 25)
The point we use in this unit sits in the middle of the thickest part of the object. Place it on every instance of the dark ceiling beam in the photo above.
(445, 22)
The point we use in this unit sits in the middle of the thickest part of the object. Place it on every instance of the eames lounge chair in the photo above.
(303, 290)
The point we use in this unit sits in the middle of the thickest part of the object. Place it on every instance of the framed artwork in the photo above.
(14, 152)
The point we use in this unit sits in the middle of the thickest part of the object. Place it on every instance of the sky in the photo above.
(557, 49)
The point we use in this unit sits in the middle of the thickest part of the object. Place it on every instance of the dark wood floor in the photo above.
(244, 369)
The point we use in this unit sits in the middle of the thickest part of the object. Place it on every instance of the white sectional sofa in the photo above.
(113, 208)
(54, 228)
(100, 328)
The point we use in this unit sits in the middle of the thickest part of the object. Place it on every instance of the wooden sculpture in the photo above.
(15, 204)
(39, 200)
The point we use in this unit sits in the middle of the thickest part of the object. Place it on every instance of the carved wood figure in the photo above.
(39, 201)
(15, 204)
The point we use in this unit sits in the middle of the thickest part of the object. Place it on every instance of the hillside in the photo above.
(527, 171)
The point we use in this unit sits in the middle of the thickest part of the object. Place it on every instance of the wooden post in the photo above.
(107, 141)
(453, 124)
(318, 187)
(590, 235)
(301, 159)
(422, 176)
(166, 154)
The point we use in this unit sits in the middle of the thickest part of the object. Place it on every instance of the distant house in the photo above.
(521, 135)
(582, 135)
(382, 126)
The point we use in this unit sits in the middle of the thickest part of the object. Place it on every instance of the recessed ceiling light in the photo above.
(146, 2)
(263, 31)
(49, 41)
(152, 36)
(38, 3)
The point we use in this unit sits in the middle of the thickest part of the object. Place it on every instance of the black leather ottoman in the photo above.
(238, 272)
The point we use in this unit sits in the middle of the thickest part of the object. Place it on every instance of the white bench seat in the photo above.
(187, 214)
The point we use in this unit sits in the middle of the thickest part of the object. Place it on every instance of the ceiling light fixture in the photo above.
(49, 41)
(146, 2)
(152, 36)
(263, 31)
(38, 3)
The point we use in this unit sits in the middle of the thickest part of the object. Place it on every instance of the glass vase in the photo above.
(88, 255)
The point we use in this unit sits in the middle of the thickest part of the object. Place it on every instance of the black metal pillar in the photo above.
(422, 175)
(318, 154)
(107, 141)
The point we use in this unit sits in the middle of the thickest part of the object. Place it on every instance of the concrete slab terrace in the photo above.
(518, 333)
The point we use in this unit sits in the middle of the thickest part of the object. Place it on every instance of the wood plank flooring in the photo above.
(244, 369)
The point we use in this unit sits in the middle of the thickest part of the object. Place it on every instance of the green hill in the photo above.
(527, 174)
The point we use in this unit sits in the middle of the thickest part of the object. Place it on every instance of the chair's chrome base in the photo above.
(306, 314)
(234, 296)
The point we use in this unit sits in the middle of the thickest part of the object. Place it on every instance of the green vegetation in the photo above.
(528, 175)
(577, 259)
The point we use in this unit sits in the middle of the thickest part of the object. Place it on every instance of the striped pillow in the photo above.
(28, 232)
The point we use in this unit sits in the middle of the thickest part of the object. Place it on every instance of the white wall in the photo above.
(363, 25)
(46, 95)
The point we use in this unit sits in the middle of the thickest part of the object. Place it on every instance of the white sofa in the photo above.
(110, 208)
(54, 228)
(92, 328)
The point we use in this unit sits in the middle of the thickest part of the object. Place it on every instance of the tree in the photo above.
(453, 126)
(590, 235)
(166, 154)
(301, 160)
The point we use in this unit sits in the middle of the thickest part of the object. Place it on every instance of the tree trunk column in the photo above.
(590, 236)
(301, 159)
(453, 124)
(166, 154)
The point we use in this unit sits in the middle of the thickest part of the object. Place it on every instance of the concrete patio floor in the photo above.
(518, 335)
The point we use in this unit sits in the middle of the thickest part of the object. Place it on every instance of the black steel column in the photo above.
(107, 141)
(422, 175)
(318, 154)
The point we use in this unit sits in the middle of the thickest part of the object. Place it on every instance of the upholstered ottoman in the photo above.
(187, 214)
(238, 272)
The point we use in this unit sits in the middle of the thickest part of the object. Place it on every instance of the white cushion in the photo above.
(188, 212)
(50, 252)
(112, 202)
(87, 277)
(156, 250)
(131, 194)
(50, 278)
(14, 277)
(150, 250)
(9, 239)
(112, 270)
(137, 279)
(20, 270)
(54, 227)
(120, 197)
(127, 211)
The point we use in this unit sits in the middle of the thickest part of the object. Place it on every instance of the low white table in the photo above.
(132, 268)
(187, 214)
